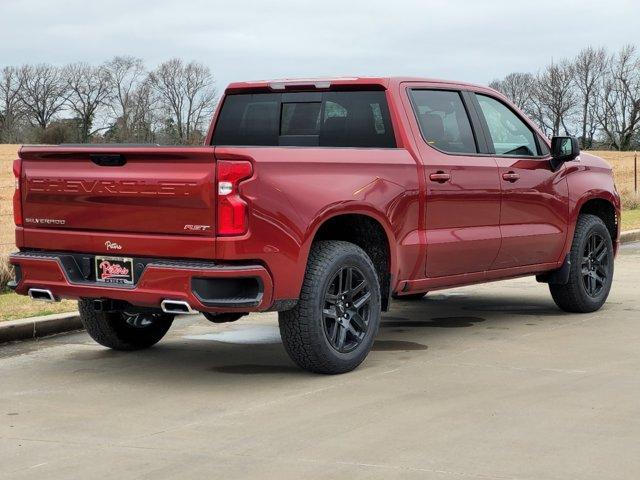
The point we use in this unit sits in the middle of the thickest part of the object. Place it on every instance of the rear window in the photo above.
(329, 119)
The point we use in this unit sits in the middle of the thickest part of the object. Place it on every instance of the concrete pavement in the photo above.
(482, 382)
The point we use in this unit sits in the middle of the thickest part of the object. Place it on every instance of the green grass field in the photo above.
(14, 306)
(630, 219)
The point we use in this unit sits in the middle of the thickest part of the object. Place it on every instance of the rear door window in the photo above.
(443, 120)
(329, 119)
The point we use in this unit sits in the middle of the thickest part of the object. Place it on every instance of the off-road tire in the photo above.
(573, 296)
(302, 328)
(112, 330)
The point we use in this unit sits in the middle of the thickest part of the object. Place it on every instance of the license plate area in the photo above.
(114, 270)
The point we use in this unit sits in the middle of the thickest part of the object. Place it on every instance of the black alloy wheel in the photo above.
(595, 265)
(346, 309)
(141, 320)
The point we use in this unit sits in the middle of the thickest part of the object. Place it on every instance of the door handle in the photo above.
(511, 177)
(440, 177)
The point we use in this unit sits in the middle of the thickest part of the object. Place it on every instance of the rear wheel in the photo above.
(591, 272)
(332, 327)
(120, 330)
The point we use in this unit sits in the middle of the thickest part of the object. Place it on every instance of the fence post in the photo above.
(635, 172)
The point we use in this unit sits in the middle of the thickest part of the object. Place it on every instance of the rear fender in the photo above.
(352, 208)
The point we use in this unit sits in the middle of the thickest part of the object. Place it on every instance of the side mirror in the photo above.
(563, 149)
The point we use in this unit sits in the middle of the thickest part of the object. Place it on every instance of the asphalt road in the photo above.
(483, 382)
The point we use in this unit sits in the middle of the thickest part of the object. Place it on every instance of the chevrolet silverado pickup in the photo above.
(321, 199)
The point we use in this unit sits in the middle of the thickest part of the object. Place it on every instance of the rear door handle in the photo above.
(440, 177)
(511, 176)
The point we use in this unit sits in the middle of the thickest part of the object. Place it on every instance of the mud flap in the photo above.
(559, 276)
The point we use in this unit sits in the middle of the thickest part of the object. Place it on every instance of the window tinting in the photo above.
(443, 120)
(332, 119)
(510, 135)
(250, 119)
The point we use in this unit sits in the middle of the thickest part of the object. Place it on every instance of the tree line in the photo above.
(594, 96)
(118, 101)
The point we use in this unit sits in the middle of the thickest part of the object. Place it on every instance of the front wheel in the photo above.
(120, 330)
(591, 272)
(332, 327)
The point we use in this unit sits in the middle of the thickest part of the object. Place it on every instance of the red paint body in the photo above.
(475, 227)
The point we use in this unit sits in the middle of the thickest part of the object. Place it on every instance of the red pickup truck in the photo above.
(321, 199)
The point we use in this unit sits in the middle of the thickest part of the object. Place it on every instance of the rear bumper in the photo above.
(205, 286)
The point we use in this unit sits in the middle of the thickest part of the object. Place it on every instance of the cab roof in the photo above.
(327, 82)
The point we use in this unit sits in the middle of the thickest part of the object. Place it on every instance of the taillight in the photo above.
(232, 209)
(17, 201)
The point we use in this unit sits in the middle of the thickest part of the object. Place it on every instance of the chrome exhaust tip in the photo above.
(177, 307)
(42, 295)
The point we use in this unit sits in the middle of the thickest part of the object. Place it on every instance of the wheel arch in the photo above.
(371, 232)
(601, 203)
(605, 210)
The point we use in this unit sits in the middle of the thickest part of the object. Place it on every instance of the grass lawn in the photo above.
(630, 219)
(14, 306)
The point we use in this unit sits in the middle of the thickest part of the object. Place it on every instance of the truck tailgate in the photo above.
(124, 190)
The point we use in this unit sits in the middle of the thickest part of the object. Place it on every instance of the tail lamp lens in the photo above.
(17, 201)
(232, 209)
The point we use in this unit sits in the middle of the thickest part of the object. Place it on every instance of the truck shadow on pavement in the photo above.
(195, 351)
(442, 322)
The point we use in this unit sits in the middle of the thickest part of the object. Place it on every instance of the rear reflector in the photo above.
(232, 209)
(17, 200)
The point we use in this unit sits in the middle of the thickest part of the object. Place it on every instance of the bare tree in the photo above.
(201, 97)
(142, 114)
(588, 69)
(518, 87)
(187, 94)
(618, 108)
(43, 93)
(10, 106)
(555, 97)
(125, 74)
(88, 88)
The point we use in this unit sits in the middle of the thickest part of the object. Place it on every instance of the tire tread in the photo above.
(570, 297)
(299, 328)
(103, 328)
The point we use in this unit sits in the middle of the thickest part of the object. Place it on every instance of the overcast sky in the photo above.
(470, 40)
